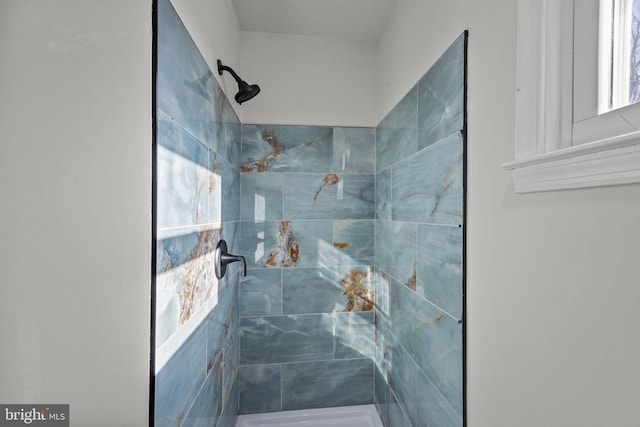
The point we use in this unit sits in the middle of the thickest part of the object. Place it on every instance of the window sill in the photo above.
(612, 161)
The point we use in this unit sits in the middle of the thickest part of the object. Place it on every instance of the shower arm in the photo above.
(222, 68)
(245, 90)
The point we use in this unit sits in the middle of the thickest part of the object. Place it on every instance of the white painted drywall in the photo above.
(353, 19)
(553, 282)
(552, 278)
(309, 80)
(75, 216)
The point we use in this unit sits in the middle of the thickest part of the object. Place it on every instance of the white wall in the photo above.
(75, 222)
(553, 279)
(309, 80)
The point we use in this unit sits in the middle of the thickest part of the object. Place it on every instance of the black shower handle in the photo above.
(223, 258)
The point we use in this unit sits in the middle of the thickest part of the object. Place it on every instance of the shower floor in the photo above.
(344, 416)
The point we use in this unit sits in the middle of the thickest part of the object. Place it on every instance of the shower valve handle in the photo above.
(223, 258)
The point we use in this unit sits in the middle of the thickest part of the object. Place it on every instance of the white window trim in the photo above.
(545, 159)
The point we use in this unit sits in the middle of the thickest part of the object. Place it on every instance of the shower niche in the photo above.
(353, 240)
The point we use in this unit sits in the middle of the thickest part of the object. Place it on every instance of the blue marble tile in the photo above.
(261, 293)
(357, 286)
(231, 360)
(261, 197)
(392, 366)
(285, 243)
(182, 191)
(218, 141)
(441, 97)
(279, 339)
(176, 249)
(401, 375)
(260, 390)
(358, 195)
(382, 397)
(397, 416)
(433, 408)
(225, 313)
(258, 240)
(384, 344)
(207, 406)
(186, 88)
(432, 338)
(221, 323)
(229, 204)
(325, 290)
(312, 290)
(397, 133)
(427, 187)
(232, 141)
(229, 297)
(396, 250)
(329, 196)
(327, 384)
(439, 271)
(271, 148)
(354, 336)
(172, 136)
(231, 234)
(382, 293)
(214, 193)
(187, 179)
(383, 195)
(180, 380)
(185, 279)
(354, 150)
(353, 241)
(229, 415)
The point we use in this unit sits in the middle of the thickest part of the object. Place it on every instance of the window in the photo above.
(619, 61)
(576, 76)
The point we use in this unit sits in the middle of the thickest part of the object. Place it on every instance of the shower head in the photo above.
(245, 90)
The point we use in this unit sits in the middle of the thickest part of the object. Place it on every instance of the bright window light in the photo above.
(619, 64)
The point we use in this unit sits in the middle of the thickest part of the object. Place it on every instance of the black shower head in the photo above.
(245, 90)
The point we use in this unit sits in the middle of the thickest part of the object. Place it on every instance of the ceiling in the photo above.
(355, 19)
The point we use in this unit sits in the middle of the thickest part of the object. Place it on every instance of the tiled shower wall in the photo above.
(198, 202)
(303, 204)
(307, 224)
(419, 247)
(307, 229)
